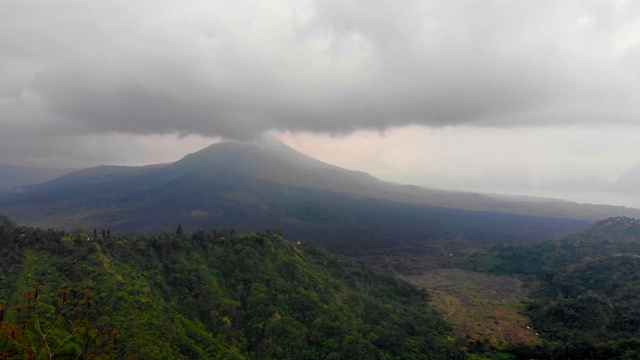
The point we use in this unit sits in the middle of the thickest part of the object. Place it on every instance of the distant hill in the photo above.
(611, 237)
(16, 176)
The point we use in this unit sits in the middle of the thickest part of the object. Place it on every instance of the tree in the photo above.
(65, 332)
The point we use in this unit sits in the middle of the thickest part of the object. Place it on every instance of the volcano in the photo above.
(264, 184)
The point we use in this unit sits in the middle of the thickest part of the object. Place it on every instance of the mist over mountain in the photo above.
(12, 176)
(628, 182)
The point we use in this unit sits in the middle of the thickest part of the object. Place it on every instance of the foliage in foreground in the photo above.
(211, 294)
(64, 330)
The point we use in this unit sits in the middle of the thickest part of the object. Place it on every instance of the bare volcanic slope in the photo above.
(267, 185)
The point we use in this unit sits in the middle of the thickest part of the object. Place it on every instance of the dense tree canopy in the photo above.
(586, 302)
(210, 294)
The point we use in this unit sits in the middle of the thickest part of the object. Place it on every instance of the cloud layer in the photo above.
(236, 69)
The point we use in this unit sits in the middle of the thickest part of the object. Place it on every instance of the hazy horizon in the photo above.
(528, 97)
(601, 196)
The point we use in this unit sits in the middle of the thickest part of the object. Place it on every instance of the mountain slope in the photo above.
(261, 185)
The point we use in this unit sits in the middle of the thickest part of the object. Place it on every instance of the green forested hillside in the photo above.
(586, 302)
(213, 294)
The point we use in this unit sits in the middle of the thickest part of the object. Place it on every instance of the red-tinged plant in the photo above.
(35, 294)
(64, 296)
(33, 336)
(115, 336)
(89, 302)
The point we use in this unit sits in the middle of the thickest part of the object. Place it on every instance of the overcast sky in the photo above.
(529, 97)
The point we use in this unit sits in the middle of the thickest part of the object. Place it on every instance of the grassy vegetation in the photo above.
(480, 306)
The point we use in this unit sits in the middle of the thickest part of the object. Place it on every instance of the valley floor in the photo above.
(480, 306)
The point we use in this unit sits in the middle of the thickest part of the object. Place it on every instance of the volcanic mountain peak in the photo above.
(269, 159)
(265, 145)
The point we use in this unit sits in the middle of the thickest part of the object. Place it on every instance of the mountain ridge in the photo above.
(267, 158)
(265, 184)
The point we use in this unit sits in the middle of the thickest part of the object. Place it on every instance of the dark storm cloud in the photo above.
(237, 69)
